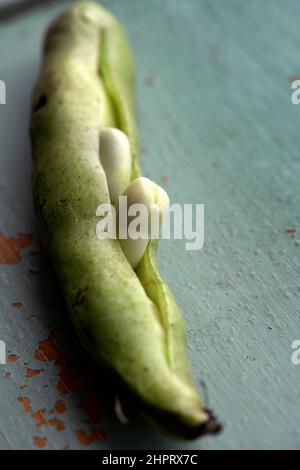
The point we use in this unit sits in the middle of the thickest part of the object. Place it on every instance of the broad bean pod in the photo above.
(126, 318)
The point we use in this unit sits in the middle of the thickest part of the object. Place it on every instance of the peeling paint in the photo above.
(87, 439)
(57, 423)
(39, 417)
(13, 358)
(59, 407)
(32, 373)
(40, 442)
(90, 405)
(291, 231)
(10, 248)
(17, 305)
(41, 420)
(26, 404)
(47, 349)
(70, 379)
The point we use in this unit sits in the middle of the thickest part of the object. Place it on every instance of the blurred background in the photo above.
(217, 126)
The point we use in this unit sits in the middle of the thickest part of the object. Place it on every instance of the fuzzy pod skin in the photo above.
(127, 319)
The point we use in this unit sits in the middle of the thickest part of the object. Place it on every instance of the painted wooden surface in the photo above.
(217, 127)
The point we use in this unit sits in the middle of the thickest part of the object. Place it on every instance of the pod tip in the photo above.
(210, 426)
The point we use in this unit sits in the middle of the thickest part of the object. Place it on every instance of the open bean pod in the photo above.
(126, 318)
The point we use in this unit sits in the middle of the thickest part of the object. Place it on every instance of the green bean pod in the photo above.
(127, 319)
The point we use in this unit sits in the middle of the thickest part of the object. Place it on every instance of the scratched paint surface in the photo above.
(217, 127)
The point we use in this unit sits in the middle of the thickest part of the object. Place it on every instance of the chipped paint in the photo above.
(90, 405)
(26, 404)
(39, 417)
(40, 442)
(10, 248)
(57, 423)
(33, 372)
(87, 439)
(41, 420)
(68, 379)
(59, 407)
(73, 380)
(13, 358)
(17, 305)
(47, 350)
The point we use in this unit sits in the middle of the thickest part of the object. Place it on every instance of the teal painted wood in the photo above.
(216, 118)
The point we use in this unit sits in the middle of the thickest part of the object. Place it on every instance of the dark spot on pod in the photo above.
(42, 102)
(80, 297)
